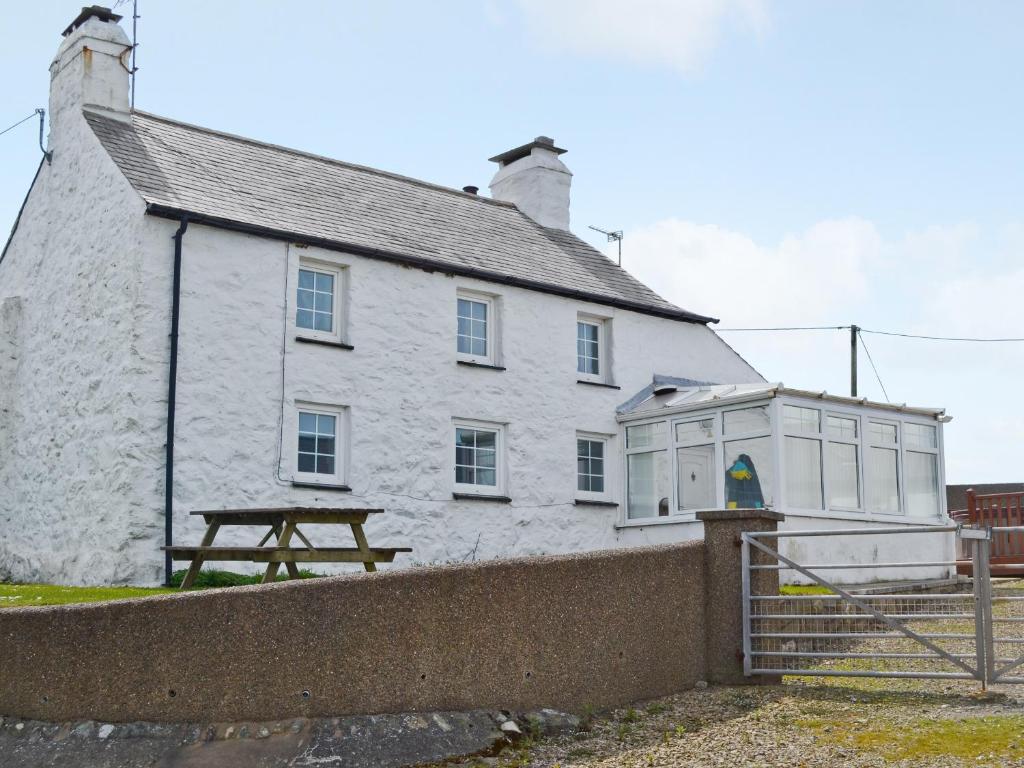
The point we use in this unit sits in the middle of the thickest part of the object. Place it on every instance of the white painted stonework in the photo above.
(538, 184)
(85, 301)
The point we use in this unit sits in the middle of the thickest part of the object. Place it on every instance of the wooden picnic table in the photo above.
(283, 524)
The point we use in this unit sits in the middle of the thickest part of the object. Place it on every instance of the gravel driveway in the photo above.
(848, 722)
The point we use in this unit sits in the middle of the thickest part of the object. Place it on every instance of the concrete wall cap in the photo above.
(712, 515)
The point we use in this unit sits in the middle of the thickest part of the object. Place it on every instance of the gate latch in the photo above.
(975, 533)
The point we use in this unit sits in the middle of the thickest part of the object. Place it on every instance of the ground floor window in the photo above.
(320, 447)
(648, 481)
(590, 465)
(478, 458)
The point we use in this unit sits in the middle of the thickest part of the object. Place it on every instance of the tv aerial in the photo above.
(613, 237)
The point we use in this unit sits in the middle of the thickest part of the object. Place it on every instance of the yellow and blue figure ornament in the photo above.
(742, 488)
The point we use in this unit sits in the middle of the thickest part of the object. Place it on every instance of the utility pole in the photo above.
(854, 330)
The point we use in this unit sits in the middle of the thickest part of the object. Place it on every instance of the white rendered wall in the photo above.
(864, 549)
(403, 388)
(80, 460)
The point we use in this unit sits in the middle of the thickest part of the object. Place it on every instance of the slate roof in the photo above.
(226, 180)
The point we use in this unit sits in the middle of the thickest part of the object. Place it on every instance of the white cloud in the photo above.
(679, 34)
(943, 280)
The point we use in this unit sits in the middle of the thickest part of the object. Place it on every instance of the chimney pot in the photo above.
(470, 189)
(91, 12)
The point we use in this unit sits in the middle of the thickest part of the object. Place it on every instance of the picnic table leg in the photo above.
(197, 561)
(293, 569)
(364, 548)
(282, 541)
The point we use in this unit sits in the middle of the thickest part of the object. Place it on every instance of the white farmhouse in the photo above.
(194, 320)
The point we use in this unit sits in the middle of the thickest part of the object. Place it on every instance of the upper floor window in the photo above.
(475, 316)
(592, 348)
(318, 302)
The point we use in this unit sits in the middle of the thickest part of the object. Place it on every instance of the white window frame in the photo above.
(869, 443)
(719, 457)
(605, 440)
(339, 273)
(778, 480)
(491, 358)
(818, 437)
(500, 488)
(858, 444)
(940, 473)
(627, 451)
(341, 452)
(603, 375)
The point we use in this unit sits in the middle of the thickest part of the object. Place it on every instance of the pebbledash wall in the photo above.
(85, 289)
(570, 631)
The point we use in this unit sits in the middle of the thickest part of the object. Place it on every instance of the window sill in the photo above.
(472, 364)
(324, 342)
(595, 503)
(481, 497)
(321, 486)
(644, 522)
(597, 384)
(866, 517)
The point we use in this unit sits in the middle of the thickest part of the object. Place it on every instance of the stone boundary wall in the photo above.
(595, 629)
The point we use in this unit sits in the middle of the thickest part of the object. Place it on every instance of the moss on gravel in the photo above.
(998, 737)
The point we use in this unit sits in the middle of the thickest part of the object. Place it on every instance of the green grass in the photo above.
(209, 577)
(20, 595)
(795, 589)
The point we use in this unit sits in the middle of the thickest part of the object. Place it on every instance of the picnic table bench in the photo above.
(283, 524)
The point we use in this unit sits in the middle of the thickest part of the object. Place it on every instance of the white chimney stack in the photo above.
(532, 177)
(91, 68)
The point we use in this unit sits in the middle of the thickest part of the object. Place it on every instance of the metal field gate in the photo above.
(975, 631)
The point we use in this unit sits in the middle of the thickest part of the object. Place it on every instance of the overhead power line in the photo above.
(943, 338)
(792, 328)
(981, 340)
(23, 120)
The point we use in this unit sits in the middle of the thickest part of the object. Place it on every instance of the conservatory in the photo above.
(690, 447)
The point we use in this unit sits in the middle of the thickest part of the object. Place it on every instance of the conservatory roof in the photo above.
(668, 393)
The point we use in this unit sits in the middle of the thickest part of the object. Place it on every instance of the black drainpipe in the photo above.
(172, 386)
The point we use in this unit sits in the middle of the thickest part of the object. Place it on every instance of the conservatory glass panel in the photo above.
(883, 487)
(749, 473)
(803, 472)
(695, 431)
(803, 420)
(746, 420)
(646, 435)
(842, 428)
(920, 436)
(697, 477)
(843, 476)
(648, 484)
(922, 478)
(882, 433)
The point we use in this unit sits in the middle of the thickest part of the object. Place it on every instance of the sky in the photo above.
(771, 163)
